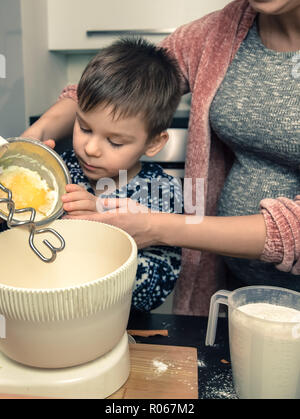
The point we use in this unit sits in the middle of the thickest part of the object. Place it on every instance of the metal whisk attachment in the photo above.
(11, 222)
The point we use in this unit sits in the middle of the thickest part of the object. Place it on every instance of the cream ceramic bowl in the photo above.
(73, 310)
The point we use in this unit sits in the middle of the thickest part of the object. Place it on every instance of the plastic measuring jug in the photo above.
(264, 339)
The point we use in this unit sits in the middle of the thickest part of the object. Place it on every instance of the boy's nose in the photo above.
(92, 148)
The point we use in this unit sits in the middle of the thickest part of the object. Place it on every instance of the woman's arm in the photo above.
(56, 123)
(272, 236)
(231, 236)
(242, 237)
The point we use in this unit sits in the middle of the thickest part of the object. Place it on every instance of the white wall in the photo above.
(76, 63)
(34, 76)
(45, 72)
(12, 100)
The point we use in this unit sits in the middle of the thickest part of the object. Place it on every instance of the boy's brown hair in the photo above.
(135, 77)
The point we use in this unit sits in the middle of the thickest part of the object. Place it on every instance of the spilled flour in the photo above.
(201, 363)
(160, 367)
(220, 386)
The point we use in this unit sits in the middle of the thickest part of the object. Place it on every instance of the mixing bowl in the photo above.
(71, 311)
(39, 158)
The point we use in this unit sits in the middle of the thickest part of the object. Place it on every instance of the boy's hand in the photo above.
(78, 202)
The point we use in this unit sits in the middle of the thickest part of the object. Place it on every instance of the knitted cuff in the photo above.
(69, 92)
(282, 246)
(273, 249)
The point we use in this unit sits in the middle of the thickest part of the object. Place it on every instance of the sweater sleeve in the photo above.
(196, 44)
(282, 245)
(69, 92)
(186, 45)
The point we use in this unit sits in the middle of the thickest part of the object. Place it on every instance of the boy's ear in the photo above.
(156, 144)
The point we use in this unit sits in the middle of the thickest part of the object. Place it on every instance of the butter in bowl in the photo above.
(36, 175)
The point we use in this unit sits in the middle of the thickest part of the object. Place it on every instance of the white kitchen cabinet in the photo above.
(77, 25)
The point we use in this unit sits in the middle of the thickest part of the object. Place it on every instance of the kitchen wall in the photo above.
(44, 72)
(12, 96)
(33, 76)
(76, 64)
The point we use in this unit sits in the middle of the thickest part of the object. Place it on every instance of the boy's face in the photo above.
(105, 145)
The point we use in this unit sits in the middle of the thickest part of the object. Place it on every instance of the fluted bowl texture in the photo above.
(73, 310)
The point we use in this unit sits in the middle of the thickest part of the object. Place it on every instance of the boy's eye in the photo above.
(113, 144)
(85, 130)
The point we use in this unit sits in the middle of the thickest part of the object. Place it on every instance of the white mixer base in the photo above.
(96, 379)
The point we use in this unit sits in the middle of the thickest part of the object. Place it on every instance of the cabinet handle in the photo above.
(120, 32)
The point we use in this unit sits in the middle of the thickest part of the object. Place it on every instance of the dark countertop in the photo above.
(214, 370)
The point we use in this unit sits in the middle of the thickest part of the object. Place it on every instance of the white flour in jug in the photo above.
(271, 312)
(265, 351)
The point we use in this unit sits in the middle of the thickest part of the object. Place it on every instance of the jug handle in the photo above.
(220, 297)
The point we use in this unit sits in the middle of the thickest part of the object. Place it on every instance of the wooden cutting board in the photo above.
(157, 372)
(161, 372)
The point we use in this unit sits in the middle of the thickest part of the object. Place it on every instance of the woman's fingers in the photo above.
(81, 205)
(77, 196)
(80, 215)
(138, 225)
(50, 143)
(78, 199)
(121, 205)
(72, 187)
(113, 203)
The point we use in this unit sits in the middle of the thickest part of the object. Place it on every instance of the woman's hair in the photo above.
(136, 78)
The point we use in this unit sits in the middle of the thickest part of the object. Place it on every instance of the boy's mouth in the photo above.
(88, 167)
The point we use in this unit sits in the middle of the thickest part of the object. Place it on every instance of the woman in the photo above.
(240, 65)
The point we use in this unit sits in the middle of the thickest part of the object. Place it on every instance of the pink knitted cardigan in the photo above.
(204, 49)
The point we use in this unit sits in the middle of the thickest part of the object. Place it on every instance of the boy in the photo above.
(127, 96)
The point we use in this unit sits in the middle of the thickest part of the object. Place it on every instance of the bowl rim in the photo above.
(132, 257)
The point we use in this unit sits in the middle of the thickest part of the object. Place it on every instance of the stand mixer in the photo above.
(65, 321)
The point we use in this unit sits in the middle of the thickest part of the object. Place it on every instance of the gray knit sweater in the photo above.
(256, 112)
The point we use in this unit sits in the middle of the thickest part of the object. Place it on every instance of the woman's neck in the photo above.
(280, 32)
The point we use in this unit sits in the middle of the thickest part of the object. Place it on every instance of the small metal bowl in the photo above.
(38, 157)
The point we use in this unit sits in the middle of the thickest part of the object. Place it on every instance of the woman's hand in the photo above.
(57, 122)
(33, 133)
(50, 143)
(77, 202)
(126, 214)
